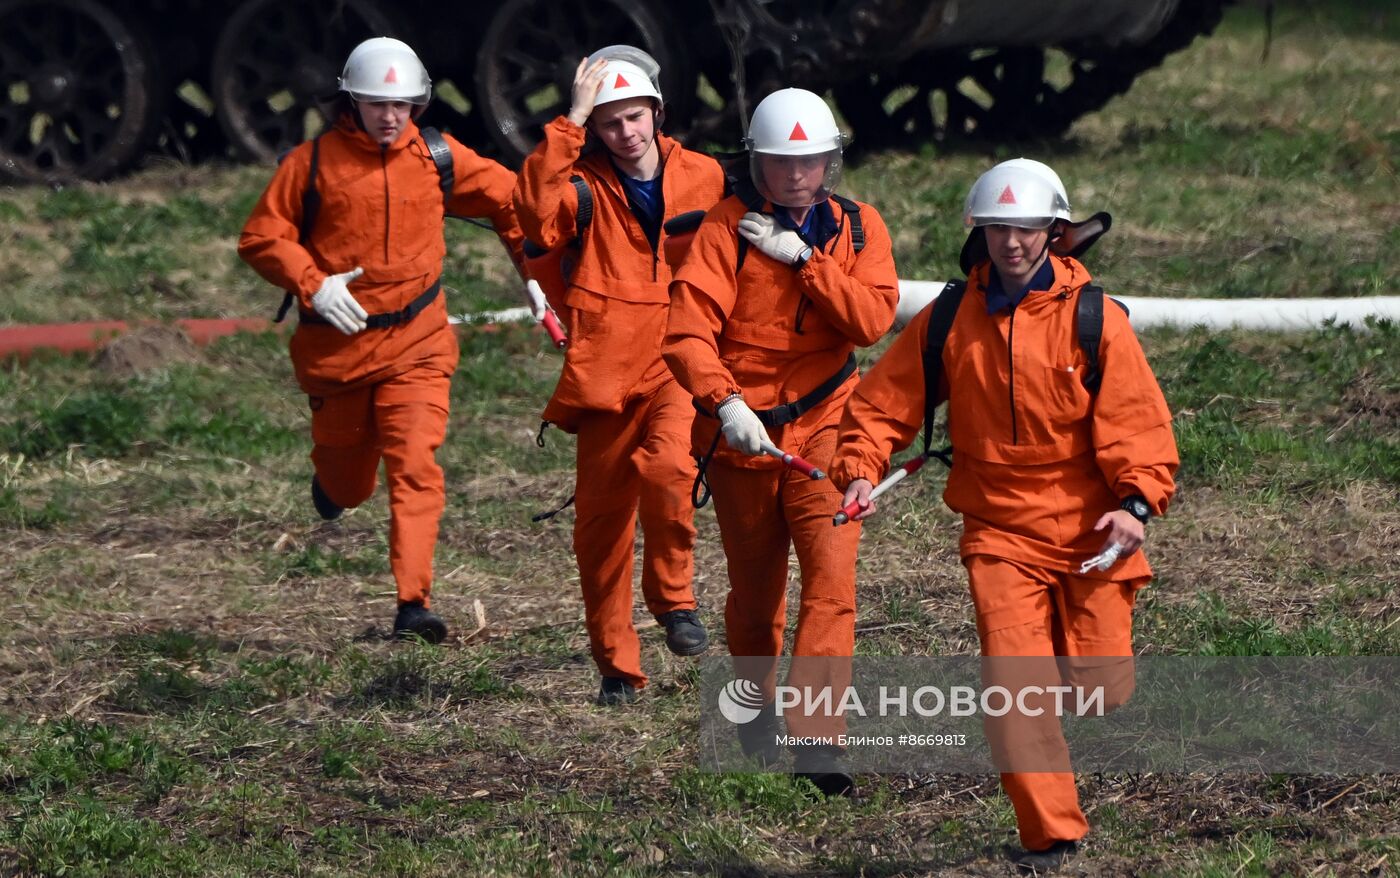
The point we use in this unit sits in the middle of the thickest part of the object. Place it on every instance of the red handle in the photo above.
(556, 332)
(847, 513)
(803, 466)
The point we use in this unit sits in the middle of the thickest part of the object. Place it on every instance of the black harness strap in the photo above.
(791, 411)
(1088, 329)
(583, 216)
(441, 155)
(748, 194)
(940, 321)
(788, 412)
(852, 210)
(1089, 324)
(753, 201)
(546, 516)
(390, 318)
(310, 208)
(702, 463)
(770, 418)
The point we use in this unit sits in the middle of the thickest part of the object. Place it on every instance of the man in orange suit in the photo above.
(779, 287)
(632, 419)
(1058, 461)
(351, 227)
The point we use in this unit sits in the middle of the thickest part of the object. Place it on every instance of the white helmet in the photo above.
(385, 69)
(1020, 192)
(623, 80)
(630, 86)
(794, 122)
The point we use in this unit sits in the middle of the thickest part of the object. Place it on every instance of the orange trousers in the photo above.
(634, 464)
(1025, 610)
(401, 421)
(763, 514)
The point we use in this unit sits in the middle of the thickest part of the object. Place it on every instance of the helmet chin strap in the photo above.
(1053, 233)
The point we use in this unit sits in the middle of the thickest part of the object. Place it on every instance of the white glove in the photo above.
(742, 428)
(534, 297)
(762, 231)
(334, 302)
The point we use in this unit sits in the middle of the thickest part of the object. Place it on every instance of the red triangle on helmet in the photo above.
(1007, 196)
(392, 75)
(621, 83)
(797, 132)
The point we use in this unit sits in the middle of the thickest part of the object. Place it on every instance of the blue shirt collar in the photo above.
(999, 299)
(817, 228)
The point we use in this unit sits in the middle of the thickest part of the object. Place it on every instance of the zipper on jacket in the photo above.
(384, 167)
(1011, 371)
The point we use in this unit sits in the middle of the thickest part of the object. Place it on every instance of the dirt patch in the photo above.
(145, 349)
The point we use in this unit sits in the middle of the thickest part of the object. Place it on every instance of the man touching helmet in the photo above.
(351, 226)
(615, 392)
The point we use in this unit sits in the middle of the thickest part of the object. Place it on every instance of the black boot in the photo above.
(325, 506)
(416, 620)
(684, 633)
(825, 767)
(615, 691)
(1046, 861)
(758, 738)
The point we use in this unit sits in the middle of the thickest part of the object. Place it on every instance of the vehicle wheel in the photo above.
(947, 96)
(525, 66)
(80, 94)
(1013, 93)
(276, 67)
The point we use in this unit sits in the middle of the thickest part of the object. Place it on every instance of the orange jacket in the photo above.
(381, 209)
(771, 332)
(617, 300)
(1038, 459)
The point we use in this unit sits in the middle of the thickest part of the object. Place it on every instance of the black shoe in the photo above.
(325, 506)
(825, 767)
(416, 620)
(1046, 861)
(616, 690)
(758, 738)
(684, 633)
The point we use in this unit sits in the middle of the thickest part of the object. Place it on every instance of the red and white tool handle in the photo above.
(793, 461)
(908, 469)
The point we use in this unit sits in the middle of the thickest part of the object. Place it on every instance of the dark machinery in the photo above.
(90, 87)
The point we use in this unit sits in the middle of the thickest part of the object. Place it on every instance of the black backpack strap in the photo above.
(940, 321)
(442, 157)
(853, 214)
(748, 193)
(311, 196)
(1089, 327)
(310, 208)
(584, 215)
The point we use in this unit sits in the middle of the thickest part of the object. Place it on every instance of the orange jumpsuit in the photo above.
(1037, 461)
(615, 391)
(381, 393)
(774, 333)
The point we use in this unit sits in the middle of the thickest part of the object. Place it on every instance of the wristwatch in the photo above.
(1137, 507)
(803, 255)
